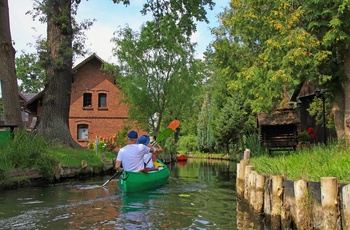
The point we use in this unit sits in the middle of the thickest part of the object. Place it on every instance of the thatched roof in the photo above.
(279, 117)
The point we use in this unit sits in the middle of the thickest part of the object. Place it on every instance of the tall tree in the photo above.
(59, 62)
(58, 15)
(9, 87)
(159, 72)
(288, 42)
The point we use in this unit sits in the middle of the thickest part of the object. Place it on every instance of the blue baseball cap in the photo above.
(144, 139)
(132, 135)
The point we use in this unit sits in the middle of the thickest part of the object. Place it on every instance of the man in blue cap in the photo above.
(131, 155)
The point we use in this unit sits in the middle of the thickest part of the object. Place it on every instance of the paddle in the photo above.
(116, 174)
(169, 130)
(165, 133)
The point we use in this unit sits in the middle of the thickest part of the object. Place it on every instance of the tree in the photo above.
(279, 44)
(204, 128)
(31, 73)
(158, 72)
(60, 34)
(59, 62)
(9, 87)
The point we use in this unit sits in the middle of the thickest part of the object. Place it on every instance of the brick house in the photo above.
(95, 108)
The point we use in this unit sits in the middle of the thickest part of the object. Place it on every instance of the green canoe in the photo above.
(140, 181)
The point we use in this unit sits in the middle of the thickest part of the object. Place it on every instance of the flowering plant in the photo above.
(104, 146)
(306, 135)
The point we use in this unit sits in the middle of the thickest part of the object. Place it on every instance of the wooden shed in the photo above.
(279, 129)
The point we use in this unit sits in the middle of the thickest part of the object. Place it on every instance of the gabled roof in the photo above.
(92, 56)
(279, 117)
(34, 98)
(27, 96)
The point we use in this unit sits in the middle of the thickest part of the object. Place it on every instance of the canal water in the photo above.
(200, 194)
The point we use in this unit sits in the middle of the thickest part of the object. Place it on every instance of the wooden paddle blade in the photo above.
(174, 124)
(164, 134)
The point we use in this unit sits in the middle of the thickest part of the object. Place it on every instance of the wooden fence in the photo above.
(300, 204)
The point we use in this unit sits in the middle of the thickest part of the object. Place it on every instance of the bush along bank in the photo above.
(300, 203)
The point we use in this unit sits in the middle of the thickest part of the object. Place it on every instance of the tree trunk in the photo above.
(54, 123)
(9, 87)
(338, 108)
(347, 99)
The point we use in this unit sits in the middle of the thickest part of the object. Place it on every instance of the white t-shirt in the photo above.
(147, 158)
(131, 157)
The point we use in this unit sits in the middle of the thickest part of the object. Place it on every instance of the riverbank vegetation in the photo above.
(310, 164)
(35, 152)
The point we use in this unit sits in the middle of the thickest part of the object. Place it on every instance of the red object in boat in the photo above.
(181, 157)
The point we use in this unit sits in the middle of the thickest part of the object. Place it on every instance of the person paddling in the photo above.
(150, 159)
(130, 157)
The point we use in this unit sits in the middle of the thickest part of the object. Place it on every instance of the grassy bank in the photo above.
(32, 151)
(320, 161)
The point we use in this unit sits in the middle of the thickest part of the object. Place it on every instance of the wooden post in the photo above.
(246, 154)
(241, 177)
(346, 207)
(267, 196)
(252, 180)
(329, 200)
(259, 193)
(303, 208)
(248, 182)
(277, 191)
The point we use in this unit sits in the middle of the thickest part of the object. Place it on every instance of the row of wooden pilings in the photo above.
(295, 204)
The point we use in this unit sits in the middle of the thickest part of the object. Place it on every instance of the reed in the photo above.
(320, 161)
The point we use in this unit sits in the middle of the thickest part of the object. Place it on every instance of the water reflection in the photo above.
(199, 195)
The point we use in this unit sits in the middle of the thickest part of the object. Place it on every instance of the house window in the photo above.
(87, 100)
(102, 100)
(83, 132)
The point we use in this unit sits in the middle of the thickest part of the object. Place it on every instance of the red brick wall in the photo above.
(102, 122)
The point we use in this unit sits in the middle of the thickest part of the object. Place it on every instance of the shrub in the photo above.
(188, 143)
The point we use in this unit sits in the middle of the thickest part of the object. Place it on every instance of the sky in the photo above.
(109, 18)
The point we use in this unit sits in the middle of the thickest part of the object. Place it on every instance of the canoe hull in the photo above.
(139, 181)
(181, 157)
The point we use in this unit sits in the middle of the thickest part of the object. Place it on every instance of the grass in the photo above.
(33, 151)
(320, 161)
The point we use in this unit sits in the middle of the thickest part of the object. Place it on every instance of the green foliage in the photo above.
(304, 136)
(104, 146)
(159, 75)
(31, 72)
(74, 157)
(233, 120)
(316, 110)
(252, 142)
(320, 161)
(121, 139)
(188, 143)
(27, 151)
(267, 48)
(33, 151)
(204, 125)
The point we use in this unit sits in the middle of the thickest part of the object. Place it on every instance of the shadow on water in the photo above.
(200, 194)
